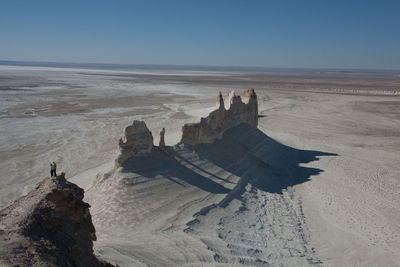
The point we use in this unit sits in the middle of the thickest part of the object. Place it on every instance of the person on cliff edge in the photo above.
(53, 168)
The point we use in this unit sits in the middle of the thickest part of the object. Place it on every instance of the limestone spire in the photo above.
(220, 102)
(162, 141)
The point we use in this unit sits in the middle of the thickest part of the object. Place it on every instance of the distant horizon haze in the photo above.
(102, 65)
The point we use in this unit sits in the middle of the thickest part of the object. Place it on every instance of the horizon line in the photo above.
(36, 63)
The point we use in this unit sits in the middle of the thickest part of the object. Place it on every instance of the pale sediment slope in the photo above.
(222, 203)
(340, 209)
(351, 208)
(73, 119)
(220, 196)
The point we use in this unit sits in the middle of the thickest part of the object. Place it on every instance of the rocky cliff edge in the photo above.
(51, 226)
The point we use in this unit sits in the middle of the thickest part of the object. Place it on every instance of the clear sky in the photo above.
(301, 33)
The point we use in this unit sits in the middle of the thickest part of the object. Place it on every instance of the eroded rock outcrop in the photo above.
(51, 226)
(137, 140)
(162, 141)
(240, 110)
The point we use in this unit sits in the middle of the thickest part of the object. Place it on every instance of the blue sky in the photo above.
(292, 34)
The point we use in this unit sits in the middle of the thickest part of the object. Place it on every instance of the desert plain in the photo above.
(319, 179)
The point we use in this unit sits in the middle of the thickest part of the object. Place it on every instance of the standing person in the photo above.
(52, 171)
(55, 168)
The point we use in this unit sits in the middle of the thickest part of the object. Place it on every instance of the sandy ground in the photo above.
(318, 183)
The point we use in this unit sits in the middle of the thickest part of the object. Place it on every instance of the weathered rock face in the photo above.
(240, 110)
(51, 226)
(137, 140)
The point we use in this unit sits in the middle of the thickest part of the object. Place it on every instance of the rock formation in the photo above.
(137, 140)
(240, 110)
(51, 226)
(162, 141)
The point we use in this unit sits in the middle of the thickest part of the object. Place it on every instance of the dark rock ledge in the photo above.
(51, 226)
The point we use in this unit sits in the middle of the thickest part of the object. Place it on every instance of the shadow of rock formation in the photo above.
(259, 160)
(243, 151)
(166, 165)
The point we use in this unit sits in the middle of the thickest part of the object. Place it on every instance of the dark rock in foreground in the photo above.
(51, 226)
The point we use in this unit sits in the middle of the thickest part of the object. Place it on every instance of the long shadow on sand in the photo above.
(243, 151)
(260, 160)
(163, 164)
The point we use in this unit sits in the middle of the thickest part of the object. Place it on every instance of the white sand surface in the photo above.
(318, 183)
(221, 203)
